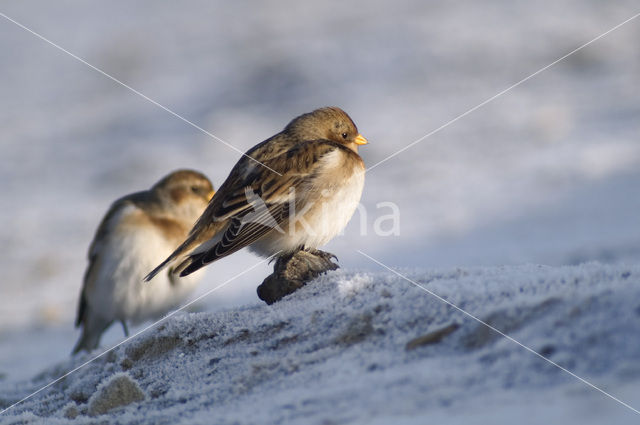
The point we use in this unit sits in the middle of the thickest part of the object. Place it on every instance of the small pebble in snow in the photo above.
(126, 363)
(547, 350)
(432, 337)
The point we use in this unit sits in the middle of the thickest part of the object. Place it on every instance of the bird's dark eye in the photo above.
(195, 189)
(344, 135)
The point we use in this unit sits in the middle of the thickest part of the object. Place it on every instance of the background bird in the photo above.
(294, 191)
(138, 231)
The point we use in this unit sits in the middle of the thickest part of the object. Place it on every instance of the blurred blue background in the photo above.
(547, 173)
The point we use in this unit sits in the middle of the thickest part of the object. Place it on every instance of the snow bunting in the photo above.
(294, 191)
(138, 231)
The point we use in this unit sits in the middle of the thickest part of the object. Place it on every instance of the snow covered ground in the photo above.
(548, 173)
(364, 348)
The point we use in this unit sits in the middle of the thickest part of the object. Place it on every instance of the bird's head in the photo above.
(330, 123)
(186, 192)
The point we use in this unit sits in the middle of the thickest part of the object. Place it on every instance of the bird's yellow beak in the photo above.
(210, 194)
(360, 140)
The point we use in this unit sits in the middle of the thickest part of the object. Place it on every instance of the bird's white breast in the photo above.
(330, 202)
(131, 248)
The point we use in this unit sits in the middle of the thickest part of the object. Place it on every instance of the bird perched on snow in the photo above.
(138, 231)
(291, 193)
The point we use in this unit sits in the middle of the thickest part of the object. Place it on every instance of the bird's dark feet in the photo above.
(305, 265)
(293, 271)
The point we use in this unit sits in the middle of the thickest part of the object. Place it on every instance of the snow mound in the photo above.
(374, 348)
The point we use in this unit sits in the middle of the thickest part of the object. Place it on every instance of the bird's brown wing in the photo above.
(226, 202)
(239, 234)
(253, 206)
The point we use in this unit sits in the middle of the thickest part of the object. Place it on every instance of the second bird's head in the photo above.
(185, 193)
(330, 123)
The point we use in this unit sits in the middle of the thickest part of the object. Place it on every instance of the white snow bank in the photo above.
(335, 352)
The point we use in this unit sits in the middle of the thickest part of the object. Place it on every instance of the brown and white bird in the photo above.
(138, 231)
(294, 191)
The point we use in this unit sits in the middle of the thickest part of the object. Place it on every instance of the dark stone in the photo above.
(292, 272)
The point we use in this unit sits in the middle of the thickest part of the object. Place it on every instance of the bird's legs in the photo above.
(293, 271)
(125, 328)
